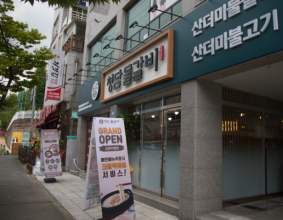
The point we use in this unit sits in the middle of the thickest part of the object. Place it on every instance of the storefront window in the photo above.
(154, 104)
(139, 13)
(98, 63)
(172, 99)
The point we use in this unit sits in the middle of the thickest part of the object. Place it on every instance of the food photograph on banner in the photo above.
(51, 152)
(116, 193)
(92, 193)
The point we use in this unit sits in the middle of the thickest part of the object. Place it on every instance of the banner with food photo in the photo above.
(51, 153)
(116, 192)
(92, 193)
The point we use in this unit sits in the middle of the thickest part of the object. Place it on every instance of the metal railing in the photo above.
(157, 23)
(23, 115)
(73, 15)
(74, 43)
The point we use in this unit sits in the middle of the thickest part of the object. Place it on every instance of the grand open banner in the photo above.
(115, 184)
(51, 152)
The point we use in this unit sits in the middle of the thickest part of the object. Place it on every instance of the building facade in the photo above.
(68, 35)
(204, 82)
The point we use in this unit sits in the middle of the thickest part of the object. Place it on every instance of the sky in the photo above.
(39, 16)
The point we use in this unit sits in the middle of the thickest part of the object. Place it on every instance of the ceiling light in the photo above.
(242, 114)
(259, 117)
(169, 118)
(176, 113)
(153, 116)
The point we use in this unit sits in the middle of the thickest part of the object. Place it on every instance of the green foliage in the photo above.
(16, 60)
(68, 3)
(132, 124)
(37, 144)
(40, 89)
(61, 142)
(8, 109)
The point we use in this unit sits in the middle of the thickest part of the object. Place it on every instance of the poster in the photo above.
(162, 5)
(25, 138)
(92, 193)
(51, 153)
(113, 168)
(55, 75)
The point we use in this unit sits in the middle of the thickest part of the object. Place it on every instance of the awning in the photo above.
(46, 120)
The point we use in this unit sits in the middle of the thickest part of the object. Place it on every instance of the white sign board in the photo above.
(55, 75)
(113, 168)
(51, 152)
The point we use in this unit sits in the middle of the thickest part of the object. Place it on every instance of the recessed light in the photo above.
(153, 116)
(169, 118)
(176, 113)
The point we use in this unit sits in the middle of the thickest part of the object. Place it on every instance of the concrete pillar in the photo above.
(81, 141)
(120, 29)
(201, 149)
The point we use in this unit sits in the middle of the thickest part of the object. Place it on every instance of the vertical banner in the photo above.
(55, 75)
(113, 168)
(51, 152)
(92, 193)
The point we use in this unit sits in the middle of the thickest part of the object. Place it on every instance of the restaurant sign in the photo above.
(146, 66)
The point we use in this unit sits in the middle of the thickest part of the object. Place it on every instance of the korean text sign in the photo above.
(113, 169)
(55, 74)
(51, 152)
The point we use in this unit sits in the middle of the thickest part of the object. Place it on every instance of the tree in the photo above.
(16, 60)
(40, 90)
(7, 112)
(68, 3)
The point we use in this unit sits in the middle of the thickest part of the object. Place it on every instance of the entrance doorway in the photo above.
(156, 157)
(252, 153)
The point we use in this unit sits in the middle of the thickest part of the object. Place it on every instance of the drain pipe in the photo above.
(75, 77)
(77, 166)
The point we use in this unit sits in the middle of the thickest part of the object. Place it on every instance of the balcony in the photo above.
(74, 43)
(73, 15)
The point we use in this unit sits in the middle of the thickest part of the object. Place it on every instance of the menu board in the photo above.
(92, 194)
(115, 184)
(51, 152)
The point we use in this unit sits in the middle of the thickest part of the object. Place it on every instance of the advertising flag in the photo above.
(115, 184)
(55, 75)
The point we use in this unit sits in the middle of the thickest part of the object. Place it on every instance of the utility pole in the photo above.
(32, 112)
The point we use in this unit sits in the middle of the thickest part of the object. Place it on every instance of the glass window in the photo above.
(133, 109)
(107, 38)
(153, 104)
(139, 13)
(172, 99)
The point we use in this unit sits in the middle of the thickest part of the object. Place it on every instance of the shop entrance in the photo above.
(156, 158)
(252, 153)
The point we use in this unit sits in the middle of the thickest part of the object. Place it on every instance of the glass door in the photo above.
(171, 152)
(151, 151)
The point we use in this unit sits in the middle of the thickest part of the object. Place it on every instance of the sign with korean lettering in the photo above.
(51, 152)
(113, 169)
(55, 75)
(235, 36)
(148, 65)
(217, 35)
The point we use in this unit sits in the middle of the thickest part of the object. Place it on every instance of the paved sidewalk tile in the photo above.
(69, 191)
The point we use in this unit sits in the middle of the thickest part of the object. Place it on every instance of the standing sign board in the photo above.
(92, 194)
(55, 75)
(113, 169)
(51, 153)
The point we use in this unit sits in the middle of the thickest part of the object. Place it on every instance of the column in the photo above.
(201, 149)
(120, 29)
(81, 142)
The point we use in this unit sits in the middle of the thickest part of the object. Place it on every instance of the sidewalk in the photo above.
(69, 191)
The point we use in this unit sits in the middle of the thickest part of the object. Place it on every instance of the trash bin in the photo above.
(7, 152)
